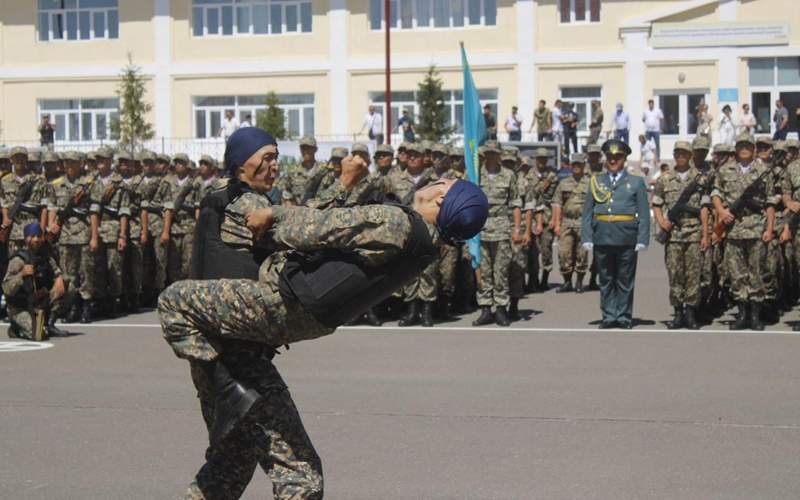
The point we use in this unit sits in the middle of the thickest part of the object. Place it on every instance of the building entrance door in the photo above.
(680, 115)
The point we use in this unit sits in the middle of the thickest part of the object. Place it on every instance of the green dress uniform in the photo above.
(615, 221)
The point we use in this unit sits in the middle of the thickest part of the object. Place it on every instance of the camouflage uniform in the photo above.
(790, 186)
(519, 252)
(110, 203)
(30, 210)
(294, 180)
(570, 195)
(542, 187)
(196, 315)
(178, 252)
(137, 190)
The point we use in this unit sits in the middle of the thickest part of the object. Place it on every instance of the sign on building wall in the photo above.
(665, 35)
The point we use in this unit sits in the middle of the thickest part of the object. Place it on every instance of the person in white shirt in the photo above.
(727, 132)
(513, 124)
(648, 150)
(622, 124)
(652, 119)
(558, 126)
(248, 122)
(373, 124)
(747, 123)
(229, 125)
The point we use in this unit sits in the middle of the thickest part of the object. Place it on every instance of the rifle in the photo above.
(23, 193)
(75, 201)
(681, 207)
(184, 192)
(743, 201)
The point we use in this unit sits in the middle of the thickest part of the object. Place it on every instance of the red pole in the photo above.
(388, 118)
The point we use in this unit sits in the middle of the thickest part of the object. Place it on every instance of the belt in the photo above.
(615, 218)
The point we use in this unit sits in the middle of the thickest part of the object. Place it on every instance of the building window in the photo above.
(250, 17)
(582, 98)
(773, 78)
(453, 99)
(579, 11)
(61, 20)
(209, 111)
(412, 14)
(79, 120)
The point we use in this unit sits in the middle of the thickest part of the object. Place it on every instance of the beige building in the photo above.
(324, 58)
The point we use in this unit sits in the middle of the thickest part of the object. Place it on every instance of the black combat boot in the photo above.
(53, 330)
(412, 315)
(446, 307)
(579, 283)
(513, 310)
(769, 313)
(74, 312)
(13, 331)
(690, 318)
(567, 286)
(501, 316)
(372, 318)
(544, 283)
(486, 317)
(233, 401)
(533, 284)
(755, 316)
(593, 286)
(86, 312)
(677, 321)
(134, 304)
(741, 320)
(427, 314)
(111, 307)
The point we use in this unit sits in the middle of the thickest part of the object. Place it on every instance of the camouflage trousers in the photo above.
(545, 244)
(149, 265)
(175, 257)
(516, 270)
(277, 441)
(107, 278)
(775, 264)
(446, 270)
(425, 287)
(134, 267)
(684, 261)
(493, 282)
(572, 257)
(22, 319)
(76, 264)
(744, 264)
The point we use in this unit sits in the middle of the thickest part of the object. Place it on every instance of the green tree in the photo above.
(131, 127)
(432, 121)
(271, 119)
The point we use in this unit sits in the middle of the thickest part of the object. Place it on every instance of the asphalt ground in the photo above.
(550, 408)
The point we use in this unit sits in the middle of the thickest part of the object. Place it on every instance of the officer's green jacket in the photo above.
(628, 197)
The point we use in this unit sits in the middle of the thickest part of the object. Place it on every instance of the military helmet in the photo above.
(541, 153)
(164, 158)
(124, 154)
(594, 148)
(792, 144)
(765, 139)
(722, 148)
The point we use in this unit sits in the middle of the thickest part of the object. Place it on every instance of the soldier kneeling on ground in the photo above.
(35, 288)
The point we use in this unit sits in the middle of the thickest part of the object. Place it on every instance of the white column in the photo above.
(728, 78)
(339, 98)
(635, 46)
(162, 26)
(526, 82)
(728, 10)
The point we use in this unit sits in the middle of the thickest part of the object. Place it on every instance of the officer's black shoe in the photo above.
(412, 315)
(486, 317)
(625, 325)
(741, 320)
(795, 327)
(134, 304)
(605, 325)
(372, 318)
(769, 313)
(579, 283)
(677, 320)
(501, 316)
(111, 308)
(533, 284)
(13, 332)
(233, 402)
(513, 310)
(446, 307)
(755, 316)
(86, 312)
(593, 286)
(427, 314)
(690, 318)
(53, 330)
(544, 283)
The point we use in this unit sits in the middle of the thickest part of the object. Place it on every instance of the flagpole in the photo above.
(388, 91)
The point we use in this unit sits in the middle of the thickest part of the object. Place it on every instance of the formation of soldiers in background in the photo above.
(120, 225)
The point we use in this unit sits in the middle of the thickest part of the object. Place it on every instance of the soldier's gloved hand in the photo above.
(640, 247)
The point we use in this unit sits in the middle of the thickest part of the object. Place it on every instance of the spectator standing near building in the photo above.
(46, 133)
(747, 123)
(513, 125)
(373, 124)
(543, 121)
(229, 125)
(648, 152)
(781, 121)
(596, 125)
(704, 121)
(406, 125)
(557, 125)
(622, 124)
(248, 122)
(727, 131)
(569, 120)
(652, 119)
(491, 123)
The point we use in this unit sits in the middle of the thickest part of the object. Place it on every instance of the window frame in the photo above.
(774, 90)
(573, 21)
(250, 5)
(253, 109)
(77, 10)
(79, 111)
(415, 26)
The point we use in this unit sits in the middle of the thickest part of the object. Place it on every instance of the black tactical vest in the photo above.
(44, 277)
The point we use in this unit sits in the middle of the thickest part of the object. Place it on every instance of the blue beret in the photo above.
(242, 144)
(463, 212)
(32, 229)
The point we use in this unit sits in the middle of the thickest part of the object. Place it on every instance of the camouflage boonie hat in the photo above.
(427, 146)
(682, 146)
(359, 147)
(594, 148)
(162, 157)
(577, 158)
(402, 147)
(208, 160)
(764, 139)
(50, 157)
(125, 155)
(148, 155)
(18, 150)
(183, 158)
(104, 152)
(385, 149)
(439, 148)
(491, 147)
(308, 141)
(722, 148)
(91, 155)
(338, 153)
(792, 144)
(780, 146)
(541, 153)
(34, 156)
(701, 142)
(454, 151)
(71, 156)
(744, 137)
(415, 147)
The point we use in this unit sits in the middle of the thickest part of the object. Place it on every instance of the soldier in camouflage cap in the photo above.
(294, 179)
(427, 147)
(35, 161)
(594, 158)
(402, 159)
(793, 149)
(700, 148)
(568, 202)
(27, 190)
(542, 183)
(457, 162)
(721, 154)
(323, 177)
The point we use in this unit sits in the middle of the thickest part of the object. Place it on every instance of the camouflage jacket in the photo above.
(137, 191)
(542, 188)
(778, 175)
(570, 195)
(14, 281)
(293, 181)
(169, 190)
(668, 190)
(30, 210)
(402, 183)
(111, 201)
(205, 186)
(155, 221)
(337, 196)
(730, 183)
(319, 180)
(75, 227)
(501, 190)
(234, 230)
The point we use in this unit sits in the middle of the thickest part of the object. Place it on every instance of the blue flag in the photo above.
(474, 135)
